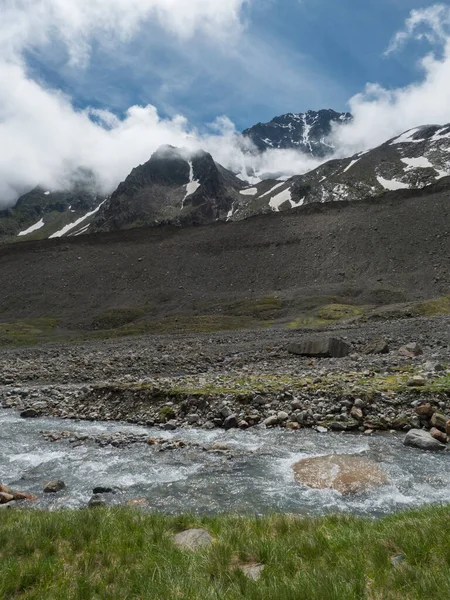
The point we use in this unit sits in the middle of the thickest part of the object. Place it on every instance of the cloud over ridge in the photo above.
(45, 137)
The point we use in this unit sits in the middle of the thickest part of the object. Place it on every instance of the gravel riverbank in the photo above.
(239, 380)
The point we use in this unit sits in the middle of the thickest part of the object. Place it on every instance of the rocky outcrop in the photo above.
(321, 348)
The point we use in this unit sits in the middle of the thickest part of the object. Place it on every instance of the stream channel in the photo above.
(256, 479)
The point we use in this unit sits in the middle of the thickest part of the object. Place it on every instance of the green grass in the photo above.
(124, 554)
(430, 308)
(28, 331)
(327, 315)
(351, 383)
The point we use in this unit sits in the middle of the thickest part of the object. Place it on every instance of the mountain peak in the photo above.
(308, 132)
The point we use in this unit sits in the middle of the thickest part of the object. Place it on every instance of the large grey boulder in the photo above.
(193, 539)
(417, 438)
(321, 348)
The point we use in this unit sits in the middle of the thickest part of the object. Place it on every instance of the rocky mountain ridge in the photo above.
(182, 188)
(308, 132)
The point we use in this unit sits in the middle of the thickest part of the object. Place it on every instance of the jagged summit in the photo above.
(175, 186)
(308, 132)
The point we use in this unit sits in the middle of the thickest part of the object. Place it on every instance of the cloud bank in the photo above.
(44, 138)
(380, 113)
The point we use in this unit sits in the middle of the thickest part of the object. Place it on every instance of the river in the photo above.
(257, 479)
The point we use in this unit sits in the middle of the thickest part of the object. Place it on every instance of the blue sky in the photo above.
(292, 56)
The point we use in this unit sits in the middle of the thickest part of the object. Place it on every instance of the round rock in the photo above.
(344, 473)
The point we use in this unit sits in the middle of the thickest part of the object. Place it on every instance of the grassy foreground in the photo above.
(102, 554)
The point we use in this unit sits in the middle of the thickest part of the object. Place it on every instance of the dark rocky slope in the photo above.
(392, 249)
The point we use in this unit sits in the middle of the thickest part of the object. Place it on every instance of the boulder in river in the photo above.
(320, 348)
(418, 438)
(344, 473)
(53, 487)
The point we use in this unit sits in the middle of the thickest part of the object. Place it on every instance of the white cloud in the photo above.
(47, 139)
(382, 113)
(432, 24)
(33, 23)
(44, 138)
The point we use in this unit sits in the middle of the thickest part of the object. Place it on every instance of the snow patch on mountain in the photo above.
(392, 184)
(352, 164)
(275, 187)
(279, 199)
(193, 185)
(249, 192)
(71, 226)
(418, 162)
(406, 138)
(34, 227)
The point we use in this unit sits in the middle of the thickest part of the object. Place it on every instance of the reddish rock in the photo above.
(137, 502)
(425, 410)
(447, 427)
(439, 435)
(22, 496)
(347, 474)
(5, 498)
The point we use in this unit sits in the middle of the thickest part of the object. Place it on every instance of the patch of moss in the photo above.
(325, 315)
(166, 413)
(29, 331)
(430, 308)
(338, 312)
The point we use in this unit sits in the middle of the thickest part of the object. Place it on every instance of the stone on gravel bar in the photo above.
(376, 347)
(321, 348)
(193, 539)
(52, 487)
(231, 422)
(440, 436)
(410, 350)
(417, 438)
(29, 413)
(439, 421)
(424, 410)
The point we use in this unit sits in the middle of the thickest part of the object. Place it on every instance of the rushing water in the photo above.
(257, 479)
